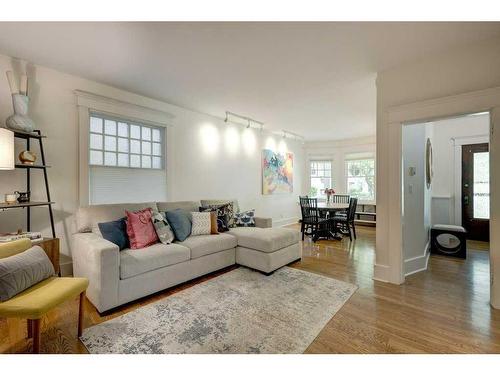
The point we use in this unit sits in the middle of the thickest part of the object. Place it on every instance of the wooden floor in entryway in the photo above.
(443, 310)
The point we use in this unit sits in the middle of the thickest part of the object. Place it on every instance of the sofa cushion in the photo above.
(88, 217)
(209, 244)
(265, 239)
(136, 262)
(189, 206)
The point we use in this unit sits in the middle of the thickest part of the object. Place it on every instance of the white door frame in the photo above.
(423, 111)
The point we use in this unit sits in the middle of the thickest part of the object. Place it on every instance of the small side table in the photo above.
(51, 248)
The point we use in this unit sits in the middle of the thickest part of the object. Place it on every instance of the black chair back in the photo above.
(351, 212)
(309, 209)
(340, 198)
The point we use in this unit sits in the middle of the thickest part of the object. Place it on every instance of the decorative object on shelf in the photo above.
(329, 193)
(23, 196)
(10, 198)
(20, 100)
(428, 163)
(277, 172)
(6, 149)
(27, 157)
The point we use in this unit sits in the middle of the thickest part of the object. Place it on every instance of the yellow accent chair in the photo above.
(34, 302)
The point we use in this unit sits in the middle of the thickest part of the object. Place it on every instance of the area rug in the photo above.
(242, 311)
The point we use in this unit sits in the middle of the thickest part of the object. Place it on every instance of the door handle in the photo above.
(466, 200)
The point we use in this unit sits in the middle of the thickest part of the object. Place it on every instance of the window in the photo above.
(360, 175)
(119, 143)
(321, 177)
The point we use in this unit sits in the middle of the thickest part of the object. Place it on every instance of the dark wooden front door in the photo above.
(476, 191)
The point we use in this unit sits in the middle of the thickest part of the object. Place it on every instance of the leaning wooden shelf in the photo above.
(6, 206)
(36, 135)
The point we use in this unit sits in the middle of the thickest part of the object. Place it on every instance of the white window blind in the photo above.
(126, 161)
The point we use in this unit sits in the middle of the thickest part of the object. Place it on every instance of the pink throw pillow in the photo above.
(140, 229)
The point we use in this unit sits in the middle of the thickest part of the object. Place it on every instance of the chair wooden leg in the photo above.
(80, 314)
(30, 328)
(36, 336)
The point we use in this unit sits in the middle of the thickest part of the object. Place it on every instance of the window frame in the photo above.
(330, 161)
(346, 176)
(129, 122)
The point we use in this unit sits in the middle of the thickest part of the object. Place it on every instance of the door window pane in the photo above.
(135, 131)
(146, 134)
(146, 148)
(135, 146)
(135, 161)
(156, 135)
(157, 149)
(481, 190)
(123, 144)
(146, 161)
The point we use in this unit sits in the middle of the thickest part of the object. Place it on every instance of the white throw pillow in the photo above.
(200, 224)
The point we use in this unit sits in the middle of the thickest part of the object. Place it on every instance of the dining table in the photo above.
(331, 208)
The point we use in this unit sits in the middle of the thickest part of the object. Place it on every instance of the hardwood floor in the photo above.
(443, 310)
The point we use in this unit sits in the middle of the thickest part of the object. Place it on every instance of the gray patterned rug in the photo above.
(241, 311)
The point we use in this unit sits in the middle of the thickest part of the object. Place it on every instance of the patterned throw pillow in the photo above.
(222, 219)
(200, 223)
(162, 227)
(227, 210)
(140, 229)
(245, 219)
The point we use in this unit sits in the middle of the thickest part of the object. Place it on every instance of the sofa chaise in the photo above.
(117, 277)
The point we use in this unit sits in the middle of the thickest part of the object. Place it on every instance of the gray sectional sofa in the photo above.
(117, 277)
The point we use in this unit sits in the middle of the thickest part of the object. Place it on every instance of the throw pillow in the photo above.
(116, 232)
(140, 229)
(21, 271)
(213, 223)
(200, 223)
(180, 221)
(162, 227)
(222, 219)
(245, 218)
(225, 209)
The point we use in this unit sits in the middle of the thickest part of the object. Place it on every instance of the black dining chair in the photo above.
(311, 222)
(347, 221)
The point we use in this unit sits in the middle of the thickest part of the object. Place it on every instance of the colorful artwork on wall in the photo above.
(277, 172)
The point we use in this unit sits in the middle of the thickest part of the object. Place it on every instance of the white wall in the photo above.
(336, 151)
(456, 71)
(416, 198)
(447, 133)
(205, 159)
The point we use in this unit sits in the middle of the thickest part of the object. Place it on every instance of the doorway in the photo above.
(476, 191)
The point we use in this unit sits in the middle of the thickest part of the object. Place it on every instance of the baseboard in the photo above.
(381, 273)
(287, 221)
(417, 264)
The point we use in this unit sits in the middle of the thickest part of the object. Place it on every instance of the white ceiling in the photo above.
(315, 79)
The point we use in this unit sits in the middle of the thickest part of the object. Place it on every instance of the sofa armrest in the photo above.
(263, 222)
(99, 261)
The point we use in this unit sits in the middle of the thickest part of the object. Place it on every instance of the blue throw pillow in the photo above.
(180, 221)
(116, 232)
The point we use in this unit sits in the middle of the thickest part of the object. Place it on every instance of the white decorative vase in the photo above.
(20, 120)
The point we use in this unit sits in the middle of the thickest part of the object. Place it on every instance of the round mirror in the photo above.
(448, 241)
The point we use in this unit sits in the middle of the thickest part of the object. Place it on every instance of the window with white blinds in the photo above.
(126, 161)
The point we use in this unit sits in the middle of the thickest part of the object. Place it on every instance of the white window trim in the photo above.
(88, 102)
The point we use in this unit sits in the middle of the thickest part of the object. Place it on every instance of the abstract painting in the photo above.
(277, 172)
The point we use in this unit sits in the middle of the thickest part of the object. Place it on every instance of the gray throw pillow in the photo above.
(180, 221)
(162, 227)
(21, 271)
